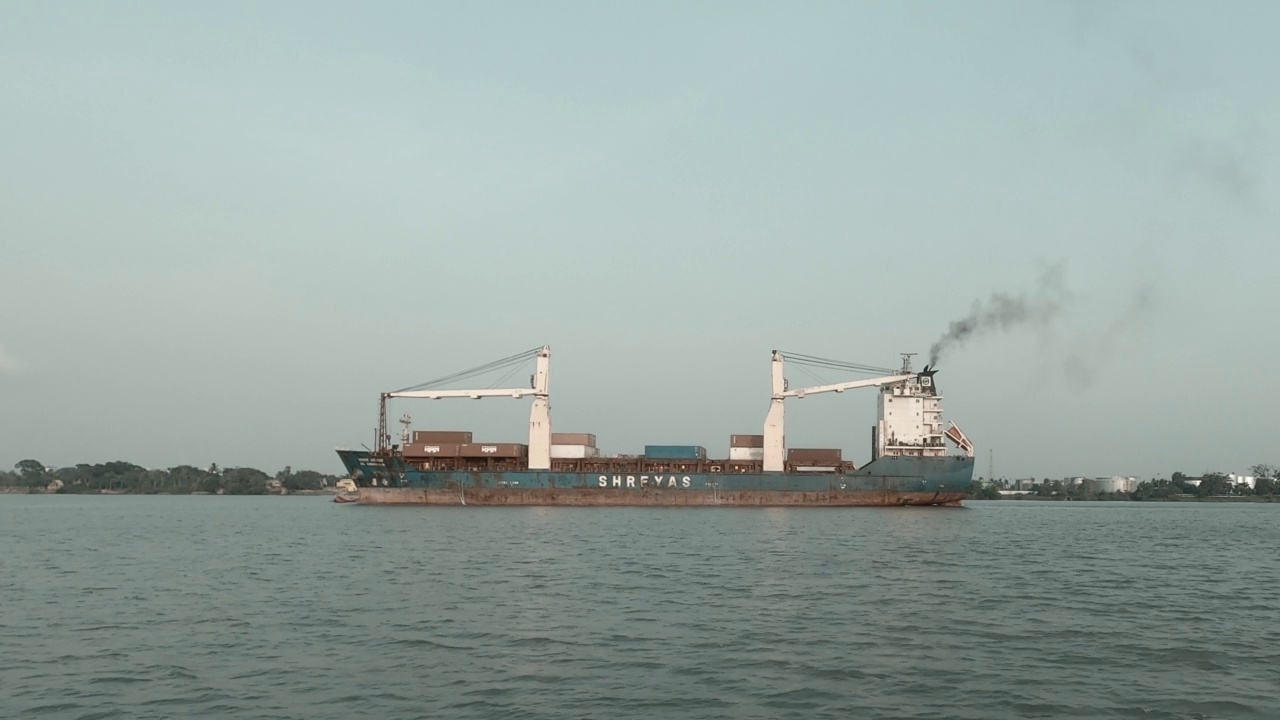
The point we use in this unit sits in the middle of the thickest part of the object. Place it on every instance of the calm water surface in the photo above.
(292, 607)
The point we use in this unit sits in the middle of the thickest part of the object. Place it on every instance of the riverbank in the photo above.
(1126, 499)
(10, 490)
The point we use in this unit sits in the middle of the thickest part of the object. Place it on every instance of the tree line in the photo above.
(1181, 485)
(125, 477)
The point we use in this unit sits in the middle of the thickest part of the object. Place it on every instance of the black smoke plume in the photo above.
(1003, 312)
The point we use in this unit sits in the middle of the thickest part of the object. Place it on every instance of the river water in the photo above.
(296, 607)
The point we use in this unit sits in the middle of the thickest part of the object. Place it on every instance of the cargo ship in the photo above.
(912, 462)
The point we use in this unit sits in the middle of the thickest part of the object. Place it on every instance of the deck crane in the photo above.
(774, 431)
(540, 389)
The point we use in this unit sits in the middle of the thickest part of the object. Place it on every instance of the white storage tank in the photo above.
(1116, 484)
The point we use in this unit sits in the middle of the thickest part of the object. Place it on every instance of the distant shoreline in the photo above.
(1186, 499)
(18, 490)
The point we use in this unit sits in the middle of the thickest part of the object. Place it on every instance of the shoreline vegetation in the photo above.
(124, 478)
(1261, 486)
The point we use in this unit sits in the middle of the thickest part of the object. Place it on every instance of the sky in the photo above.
(225, 228)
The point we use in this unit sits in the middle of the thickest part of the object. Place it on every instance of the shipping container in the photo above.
(496, 450)
(746, 453)
(587, 439)
(422, 450)
(814, 455)
(675, 452)
(570, 452)
(746, 441)
(458, 437)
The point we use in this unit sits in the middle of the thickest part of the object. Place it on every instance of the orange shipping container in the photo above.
(498, 450)
(425, 450)
(813, 454)
(587, 439)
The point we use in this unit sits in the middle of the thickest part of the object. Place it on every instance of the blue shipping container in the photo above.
(675, 452)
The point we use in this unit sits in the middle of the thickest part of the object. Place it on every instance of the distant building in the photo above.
(1248, 481)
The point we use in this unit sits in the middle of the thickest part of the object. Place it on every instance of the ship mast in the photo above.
(405, 420)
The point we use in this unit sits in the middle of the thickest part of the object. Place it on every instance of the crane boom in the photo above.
(774, 424)
(539, 415)
(841, 387)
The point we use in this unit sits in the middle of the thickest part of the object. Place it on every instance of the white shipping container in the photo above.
(572, 452)
(746, 453)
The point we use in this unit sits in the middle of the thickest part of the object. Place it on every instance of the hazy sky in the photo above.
(226, 227)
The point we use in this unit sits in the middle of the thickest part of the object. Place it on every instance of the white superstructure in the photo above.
(909, 419)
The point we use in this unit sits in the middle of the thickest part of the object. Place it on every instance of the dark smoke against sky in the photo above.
(1002, 312)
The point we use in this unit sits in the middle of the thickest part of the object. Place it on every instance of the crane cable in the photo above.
(830, 364)
(503, 364)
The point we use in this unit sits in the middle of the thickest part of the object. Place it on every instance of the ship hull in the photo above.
(885, 482)
(585, 497)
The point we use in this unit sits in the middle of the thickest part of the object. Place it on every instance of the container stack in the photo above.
(436, 444)
(573, 446)
(429, 444)
(675, 452)
(424, 450)
(746, 448)
(493, 450)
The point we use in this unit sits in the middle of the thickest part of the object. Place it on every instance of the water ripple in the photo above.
(211, 607)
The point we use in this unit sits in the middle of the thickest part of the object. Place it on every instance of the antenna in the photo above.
(906, 362)
(991, 465)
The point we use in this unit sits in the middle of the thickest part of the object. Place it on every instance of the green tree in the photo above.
(1264, 479)
(304, 480)
(115, 475)
(988, 492)
(244, 481)
(189, 479)
(1212, 484)
(1180, 485)
(32, 472)
(1265, 486)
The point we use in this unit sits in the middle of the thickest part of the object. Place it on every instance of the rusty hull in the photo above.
(657, 497)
